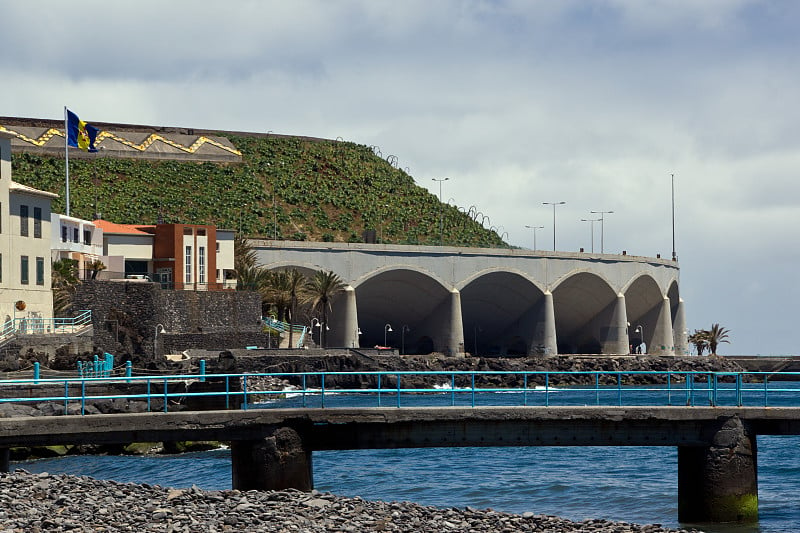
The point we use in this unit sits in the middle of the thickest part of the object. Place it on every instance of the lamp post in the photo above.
(386, 329)
(534, 228)
(591, 225)
(601, 213)
(159, 329)
(554, 204)
(640, 330)
(358, 334)
(441, 210)
(316, 323)
(403, 338)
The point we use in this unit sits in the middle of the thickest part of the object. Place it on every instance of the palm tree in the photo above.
(244, 256)
(295, 282)
(96, 267)
(64, 279)
(700, 340)
(716, 335)
(319, 292)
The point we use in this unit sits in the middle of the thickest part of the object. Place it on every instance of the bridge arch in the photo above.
(583, 305)
(502, 313)
(403, 308)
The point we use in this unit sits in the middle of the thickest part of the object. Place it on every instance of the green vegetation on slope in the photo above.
(286, 188)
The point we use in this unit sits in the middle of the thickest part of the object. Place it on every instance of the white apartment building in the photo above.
(78, 239)
(25, 240)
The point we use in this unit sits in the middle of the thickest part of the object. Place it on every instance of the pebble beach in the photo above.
(33, 503)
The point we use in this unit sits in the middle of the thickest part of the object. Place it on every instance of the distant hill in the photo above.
(295, 188)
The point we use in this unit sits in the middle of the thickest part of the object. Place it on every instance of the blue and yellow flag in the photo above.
(80, 134)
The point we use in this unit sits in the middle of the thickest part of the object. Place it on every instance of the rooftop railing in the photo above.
(417, 389)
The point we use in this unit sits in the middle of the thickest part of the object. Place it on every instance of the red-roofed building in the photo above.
(180, 256)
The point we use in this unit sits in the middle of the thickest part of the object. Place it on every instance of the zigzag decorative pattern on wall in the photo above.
(153, 137)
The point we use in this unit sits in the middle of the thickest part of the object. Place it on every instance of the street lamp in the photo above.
(316, 323)
(386, 329)
(403, 338)
(554, 204)
(358, 334)
(534, 228)
(591, 225)
(159, 329)
(640, 330)
(441, 210)
(601, 213)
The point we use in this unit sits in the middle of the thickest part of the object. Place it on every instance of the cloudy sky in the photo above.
(594, 103)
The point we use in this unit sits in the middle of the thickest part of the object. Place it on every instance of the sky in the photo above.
(597, 104)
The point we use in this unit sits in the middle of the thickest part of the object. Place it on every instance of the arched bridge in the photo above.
(452, 300)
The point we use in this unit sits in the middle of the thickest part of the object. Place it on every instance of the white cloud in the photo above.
(518, 102)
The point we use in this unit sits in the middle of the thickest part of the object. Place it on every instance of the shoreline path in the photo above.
(45, 502)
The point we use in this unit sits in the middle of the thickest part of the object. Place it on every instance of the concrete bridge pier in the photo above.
(550, 341)
(276, 462)
(719, 483)
(662, 341)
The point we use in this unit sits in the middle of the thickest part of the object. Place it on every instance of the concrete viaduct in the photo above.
(492, 301)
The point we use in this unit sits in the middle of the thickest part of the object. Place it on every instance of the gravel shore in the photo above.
(33, 503)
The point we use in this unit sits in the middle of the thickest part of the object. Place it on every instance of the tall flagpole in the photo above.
(66, 154)
(674, 257)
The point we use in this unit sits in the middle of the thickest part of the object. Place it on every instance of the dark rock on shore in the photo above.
(33, 503)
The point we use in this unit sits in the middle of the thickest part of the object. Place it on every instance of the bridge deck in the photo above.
(387, 427)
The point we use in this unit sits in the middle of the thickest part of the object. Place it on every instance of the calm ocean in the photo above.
(636, 484)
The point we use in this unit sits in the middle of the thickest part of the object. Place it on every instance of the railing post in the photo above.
(473, 389)
(322, 389)
(166, 395)
(766, 391)
(202, 370)
(379, 389)
(128, 370)
(669, 388)
(547, 389)
(597, 388)
(714, 389)
(36, 373)
(619, 389)
(453, 389)
(304, 390)
(244, 392)
(398, 390)
(525, 389)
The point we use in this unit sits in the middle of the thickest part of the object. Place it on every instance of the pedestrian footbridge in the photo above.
(453, 300)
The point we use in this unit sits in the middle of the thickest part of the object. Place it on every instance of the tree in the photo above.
(700, 340)
(64, 280)
(319, 292)
(295, 283)
(96, 267)
(716, 335)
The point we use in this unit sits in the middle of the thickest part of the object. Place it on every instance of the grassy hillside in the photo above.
(286, 187)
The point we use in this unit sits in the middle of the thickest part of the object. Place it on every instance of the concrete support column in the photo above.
(719, 483)
(662, 341)
(679, 330)
(350, 337)
(455, 335)
(616, 338)
(277, 462)
(550, 342)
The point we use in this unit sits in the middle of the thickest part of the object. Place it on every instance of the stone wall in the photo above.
(140, 320)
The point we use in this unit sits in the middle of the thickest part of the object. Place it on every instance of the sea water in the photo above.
(631, 484)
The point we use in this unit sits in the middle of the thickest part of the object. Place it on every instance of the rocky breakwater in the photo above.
(33, 503)
(490, 372)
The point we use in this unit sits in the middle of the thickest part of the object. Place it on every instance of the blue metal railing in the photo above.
(397, 389)
(97, 368)
(33, 325)
(283, 327)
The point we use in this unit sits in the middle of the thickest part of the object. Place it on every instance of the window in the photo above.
(23, 268)
(23, 220)
(201, 264)
(188, 263)
(64, 233)
(1, 268)
(37, 222)
(87, 237)
(40, 270)
(217, 247)
(75, 235)
(201, 232)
